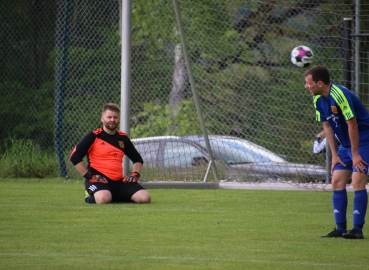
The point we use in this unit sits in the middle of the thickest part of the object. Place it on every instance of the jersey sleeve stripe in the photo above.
(342, 102)
(337, 95)
(317, 113)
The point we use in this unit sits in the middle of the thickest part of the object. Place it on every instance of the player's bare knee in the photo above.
(340, 179)
(103, 197)
(141, 196)
(146, 199)
(338, 184)
(102, 201)
(143, 199)
(359, 181)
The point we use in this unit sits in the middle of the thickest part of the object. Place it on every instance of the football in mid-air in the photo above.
(302, 56)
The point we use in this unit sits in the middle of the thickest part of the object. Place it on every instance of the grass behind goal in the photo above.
(45, 224)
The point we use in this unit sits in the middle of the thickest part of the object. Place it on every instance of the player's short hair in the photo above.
(111, 107)
(319, 73)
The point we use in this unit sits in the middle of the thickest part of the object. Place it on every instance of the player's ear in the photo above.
(319, 83)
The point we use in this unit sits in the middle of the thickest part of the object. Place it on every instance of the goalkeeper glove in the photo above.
(95, 178)
(133, 178)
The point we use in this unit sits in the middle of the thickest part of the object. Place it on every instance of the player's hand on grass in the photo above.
(133, 178)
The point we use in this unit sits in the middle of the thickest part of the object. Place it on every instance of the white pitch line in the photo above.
(194, 259)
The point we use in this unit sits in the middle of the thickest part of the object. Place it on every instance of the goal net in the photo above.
(238, 84)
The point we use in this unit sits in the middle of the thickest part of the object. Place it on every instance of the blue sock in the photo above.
(339, 200)
(360, 205)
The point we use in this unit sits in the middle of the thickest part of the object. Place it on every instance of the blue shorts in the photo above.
(346, 156)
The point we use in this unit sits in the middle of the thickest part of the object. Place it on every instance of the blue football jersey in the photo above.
(340, 106)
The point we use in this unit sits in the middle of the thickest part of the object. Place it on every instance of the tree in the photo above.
(26, 76)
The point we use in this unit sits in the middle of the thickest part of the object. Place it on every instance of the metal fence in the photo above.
(61, 61)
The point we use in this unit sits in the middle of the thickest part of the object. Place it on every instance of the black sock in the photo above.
(90, 199)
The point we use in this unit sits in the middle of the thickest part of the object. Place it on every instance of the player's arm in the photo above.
(137, 167)
(329, 134)
(81, 168)
(137, 160)
(353, 131)
(132, 153)
(135, 175)
(80, 151)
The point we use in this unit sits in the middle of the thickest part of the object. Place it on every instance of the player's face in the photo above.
(110, 121)
(312, 86)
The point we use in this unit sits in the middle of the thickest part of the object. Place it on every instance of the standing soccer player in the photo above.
(342, 113)
(105, 148)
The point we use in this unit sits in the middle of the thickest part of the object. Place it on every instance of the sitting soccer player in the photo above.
(105, 148)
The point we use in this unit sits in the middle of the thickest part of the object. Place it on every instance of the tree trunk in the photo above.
(179, 81)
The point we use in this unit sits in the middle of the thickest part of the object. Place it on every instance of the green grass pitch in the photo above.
(45, 224)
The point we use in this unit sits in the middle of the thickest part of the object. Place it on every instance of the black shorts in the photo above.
(121, 192)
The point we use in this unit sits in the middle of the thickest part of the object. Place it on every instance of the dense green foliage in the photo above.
(53, 67)
(24, 159)
(45, 224)
(27, 70)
